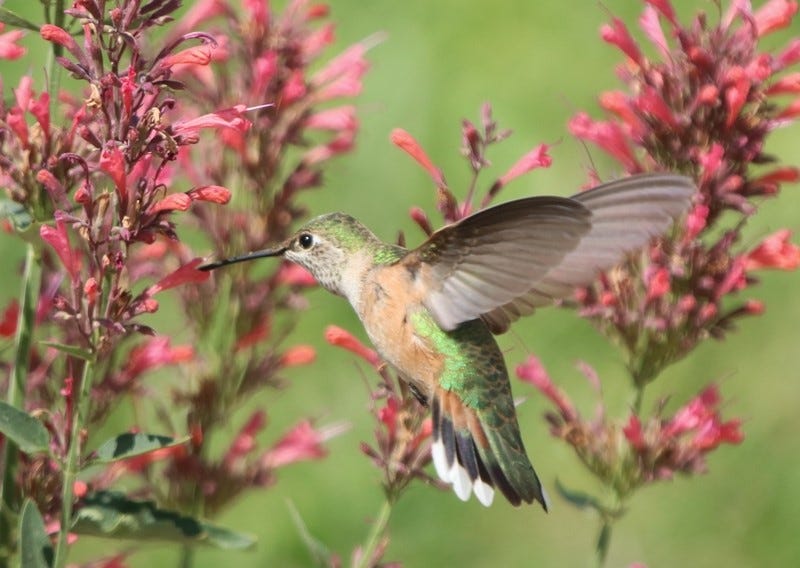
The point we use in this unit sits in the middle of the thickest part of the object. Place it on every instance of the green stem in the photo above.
(375, 534)
(638, 396)
(603, 541)
(72, 466)
(29, 297)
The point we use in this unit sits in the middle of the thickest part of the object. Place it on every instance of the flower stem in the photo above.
(72, 466)
(603, 541)
(29, 298)
(375, 534)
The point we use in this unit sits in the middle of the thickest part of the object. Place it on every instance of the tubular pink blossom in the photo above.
(225, 118)
(245, 440)
(652, 104)
(57, 238)
(533, 372)
(774, 15)
(666, 10)
(736, 96)
(52, 185)
(197, 55)
(609, 136)
(172, 202)
(617, 34)
(776, 251)
(154, 353)
(112, 162)
(410, 146)
(338, 118)
(651, 26)
(186, 274)
(54, 34)
(291, 274)
(301, 443)
(536, 158)
(298, 355)
(210, 193)
(295, 88)
(342, 338)
(633, 433)
(8, 44)
(351, 61)
(658, 284)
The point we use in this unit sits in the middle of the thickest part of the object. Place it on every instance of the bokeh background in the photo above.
(537, 63)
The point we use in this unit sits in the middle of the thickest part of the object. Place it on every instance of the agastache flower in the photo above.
(301, 443)
(8, 43)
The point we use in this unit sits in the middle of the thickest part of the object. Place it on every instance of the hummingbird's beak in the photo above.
(277, 251)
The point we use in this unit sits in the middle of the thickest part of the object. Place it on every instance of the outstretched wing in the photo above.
(526, 253)
(492, 257)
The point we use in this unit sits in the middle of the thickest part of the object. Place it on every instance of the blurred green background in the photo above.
(537, 63)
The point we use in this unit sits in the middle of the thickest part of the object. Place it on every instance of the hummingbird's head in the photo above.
(335, 248)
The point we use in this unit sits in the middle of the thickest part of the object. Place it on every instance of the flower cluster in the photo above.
(628, 455)
(103, 173)
(704, 107)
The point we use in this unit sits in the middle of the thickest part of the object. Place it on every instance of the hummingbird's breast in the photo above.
(388, 307)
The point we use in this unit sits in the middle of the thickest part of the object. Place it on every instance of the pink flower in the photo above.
(112, 162)
(774, 15)
(172, 202)
(344, 339)
(301, 443)
(226, 118)
(617, 34)
(8, 323)
(186, 274)
(633, 433)
(533, 372)
(57, 35)
(338, 118)
(8, 46)
(410, 146)
(197, 55)
(245, 440)
(609, 136)
(298, 355)
(536, 158)
(58, 239)
(291, 274)
(776, 251)
(210, 193)
(658, 283)
(155, 352)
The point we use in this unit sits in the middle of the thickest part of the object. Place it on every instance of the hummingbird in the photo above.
(432, 312)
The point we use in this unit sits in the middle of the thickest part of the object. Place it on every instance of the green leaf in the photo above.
(36, 550)
(113, 515)
(128, 445)
(24, 430)
(13, 211)
(12, 19)
(580, 499)
(78, 352)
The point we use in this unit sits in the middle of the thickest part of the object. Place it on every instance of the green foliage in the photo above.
(36, 550)
(128, 445)
(24, 430)
(113, 515)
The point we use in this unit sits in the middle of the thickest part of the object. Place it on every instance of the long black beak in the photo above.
(249, 256)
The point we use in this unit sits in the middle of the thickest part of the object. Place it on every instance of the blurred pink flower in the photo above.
(8, 43)
(342, 338)
(775, 251)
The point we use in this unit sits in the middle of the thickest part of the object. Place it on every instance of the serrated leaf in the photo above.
(580, 499)
(12, 19)
(15, 212)
(35, 548)
(78, 352)
(29, 435)
(129, 445)
(113, 515)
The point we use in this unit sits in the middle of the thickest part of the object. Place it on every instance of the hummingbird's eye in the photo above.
(305, 241)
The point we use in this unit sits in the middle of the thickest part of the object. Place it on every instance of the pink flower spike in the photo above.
(57, 238)
(410, 146)
(776, 251)
(186, 274)
(342, 338)
(8, 44)
(774, 15)
(211, 193)
(617, 34)
(536, 158)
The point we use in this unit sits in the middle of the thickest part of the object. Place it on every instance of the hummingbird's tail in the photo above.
(478, 451)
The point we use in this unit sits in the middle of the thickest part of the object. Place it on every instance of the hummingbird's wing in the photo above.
(490, 258)
(526, 253)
